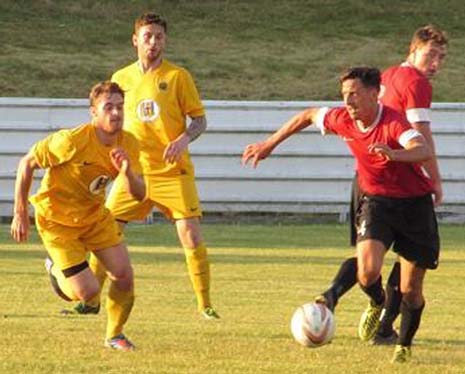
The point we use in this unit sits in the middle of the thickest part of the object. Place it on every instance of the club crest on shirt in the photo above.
(147, 110)
(97, 186)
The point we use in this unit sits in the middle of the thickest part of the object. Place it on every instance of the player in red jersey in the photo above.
(407, 89)
(396, 205)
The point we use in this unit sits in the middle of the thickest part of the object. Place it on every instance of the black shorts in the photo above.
(410, 224)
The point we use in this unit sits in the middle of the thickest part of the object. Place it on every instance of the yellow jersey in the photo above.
(156, 106)
(79, 168)
(128, 79)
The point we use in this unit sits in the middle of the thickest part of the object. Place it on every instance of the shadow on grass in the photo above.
(237, 259)
(439, 342)
(46, 316)
(241, 257)
(156, 257)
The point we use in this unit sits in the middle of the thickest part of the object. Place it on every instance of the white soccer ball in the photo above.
(313, 325)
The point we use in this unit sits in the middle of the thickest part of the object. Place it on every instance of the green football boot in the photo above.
(402, 354)
(210, 313)
(369, 322)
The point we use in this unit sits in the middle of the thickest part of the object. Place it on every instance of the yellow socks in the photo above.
(100, 273)
(199, 273)
(119, 305)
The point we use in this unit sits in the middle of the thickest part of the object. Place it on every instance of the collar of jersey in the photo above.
(375, 122)
(141, 69)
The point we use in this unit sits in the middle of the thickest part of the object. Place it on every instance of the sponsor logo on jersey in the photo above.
(98, 185)
(147, 110)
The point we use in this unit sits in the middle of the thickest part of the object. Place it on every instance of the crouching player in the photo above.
(70, 214)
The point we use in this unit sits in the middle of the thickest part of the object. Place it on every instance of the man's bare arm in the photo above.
(196, 128)
(431, 166)
(20, 223)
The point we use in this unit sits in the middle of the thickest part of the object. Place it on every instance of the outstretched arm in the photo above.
(20, 224)
(261, 150)
(175, 149)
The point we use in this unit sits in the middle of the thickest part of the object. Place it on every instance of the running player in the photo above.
(396, 205)
(407, 89)
(70, 214)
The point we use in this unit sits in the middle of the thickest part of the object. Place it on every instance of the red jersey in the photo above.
(408, 91)
(377, 175)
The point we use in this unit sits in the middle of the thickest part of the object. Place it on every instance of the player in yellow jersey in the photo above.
(160, 95)
(70, 212)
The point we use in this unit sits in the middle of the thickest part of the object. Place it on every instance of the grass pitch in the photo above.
(260, 274)
(236, 50)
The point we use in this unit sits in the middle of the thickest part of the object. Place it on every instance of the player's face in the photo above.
(428, 58)
(108, 114)
(360, 101)
(150, 42)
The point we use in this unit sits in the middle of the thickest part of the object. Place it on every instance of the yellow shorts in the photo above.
(68, 246)
(176, 197)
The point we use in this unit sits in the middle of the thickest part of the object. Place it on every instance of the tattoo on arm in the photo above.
(196, 127)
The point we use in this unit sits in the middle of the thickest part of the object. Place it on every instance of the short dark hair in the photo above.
(428, 33)
(102, 88)
(149, 19)
(370, 77)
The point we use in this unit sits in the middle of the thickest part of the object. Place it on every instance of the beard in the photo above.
(153, 56)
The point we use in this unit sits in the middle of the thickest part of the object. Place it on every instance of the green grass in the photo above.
(260, 274)
(242, 49)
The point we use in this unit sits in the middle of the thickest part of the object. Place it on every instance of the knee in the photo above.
(189, 233)
(413, 296)
(367, 276)
(196, 240)
(87, 292)
(123, 278)
(190, 238)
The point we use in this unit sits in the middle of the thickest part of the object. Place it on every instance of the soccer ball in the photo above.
(313, 325)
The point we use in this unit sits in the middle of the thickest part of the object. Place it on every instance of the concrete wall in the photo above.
(307, 174)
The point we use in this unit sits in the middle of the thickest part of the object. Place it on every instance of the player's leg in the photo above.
(198, 266)
(92, 306)
(177, 199)
(83, 283)
(100, 273)
(72, 283)
(66, 261)
(124, 208)
(107, 238)
(120, 297)
(386, 335)
(418, 246)
(346, 277)
(344, 280)
(411, 308)
(375, 234)
(370, 255)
